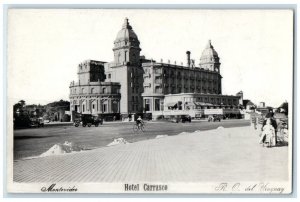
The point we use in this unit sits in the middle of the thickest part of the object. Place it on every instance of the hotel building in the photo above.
(132, 84)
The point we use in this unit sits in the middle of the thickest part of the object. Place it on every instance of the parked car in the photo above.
(213, 118)
(46, 121)
(88, 120)
(36, 122)
(181, 118)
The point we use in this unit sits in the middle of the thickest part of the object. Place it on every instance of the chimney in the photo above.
(188, 57)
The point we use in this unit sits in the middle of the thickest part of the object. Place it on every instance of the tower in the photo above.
(241, 97)
(90, 71)
(126, 69)
(209, 59)
(126, 46)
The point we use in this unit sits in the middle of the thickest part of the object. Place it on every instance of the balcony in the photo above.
(147, 84)
(157, 71)
(147, 75)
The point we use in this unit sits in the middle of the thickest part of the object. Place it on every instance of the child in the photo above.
(268, 133)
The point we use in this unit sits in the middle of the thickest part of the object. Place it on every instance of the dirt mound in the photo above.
(183, 133)
(117, 141)
(161, 136)
(59, 149)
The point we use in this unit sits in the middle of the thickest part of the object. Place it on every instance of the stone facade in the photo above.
(167, 84)
(91, 95)
(139, 85)
(126, 69)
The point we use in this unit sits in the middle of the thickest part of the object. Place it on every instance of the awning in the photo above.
(190, 104)
(171, 104)
(200, 104)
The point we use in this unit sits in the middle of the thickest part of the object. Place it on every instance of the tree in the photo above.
(285, 107)
(19, 107)
(21, 118)
(22, 102)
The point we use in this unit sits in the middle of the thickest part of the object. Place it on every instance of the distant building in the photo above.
(262, 104)
(249, 105)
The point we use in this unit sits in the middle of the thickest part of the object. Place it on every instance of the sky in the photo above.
(45, 46)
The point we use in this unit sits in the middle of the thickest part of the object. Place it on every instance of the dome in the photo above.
(209, 54)
(126, 32)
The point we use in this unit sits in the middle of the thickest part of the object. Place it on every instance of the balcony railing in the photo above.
(147, 75)
(147, 85)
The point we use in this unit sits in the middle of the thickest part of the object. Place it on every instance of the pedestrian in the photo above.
(273, 122)
(268, 134)
(254, 122)
(261, 121)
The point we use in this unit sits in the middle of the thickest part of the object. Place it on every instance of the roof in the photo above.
(199, 104)
(247, 102)
(209, 54)
(126, 32)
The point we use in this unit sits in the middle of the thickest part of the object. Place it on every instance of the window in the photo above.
(83, 108)
(157, 104)
(109, 76)
(115, 106)
(92, 90)
(158, 80)
(119, 57)
(93, 106)
(158, 70)
(82, 90)
(103, 90)
(147, 104)
(162, 105)
(104, 107)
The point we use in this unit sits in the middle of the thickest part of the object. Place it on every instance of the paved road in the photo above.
(33, 142)
(224, 155)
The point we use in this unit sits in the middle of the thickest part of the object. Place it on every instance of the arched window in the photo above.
(92, 91)
(82, 90)
(103, 90)
(125, 56)
(119, 57)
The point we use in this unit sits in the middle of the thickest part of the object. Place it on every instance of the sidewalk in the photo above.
(58, 124)
(230, 154)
